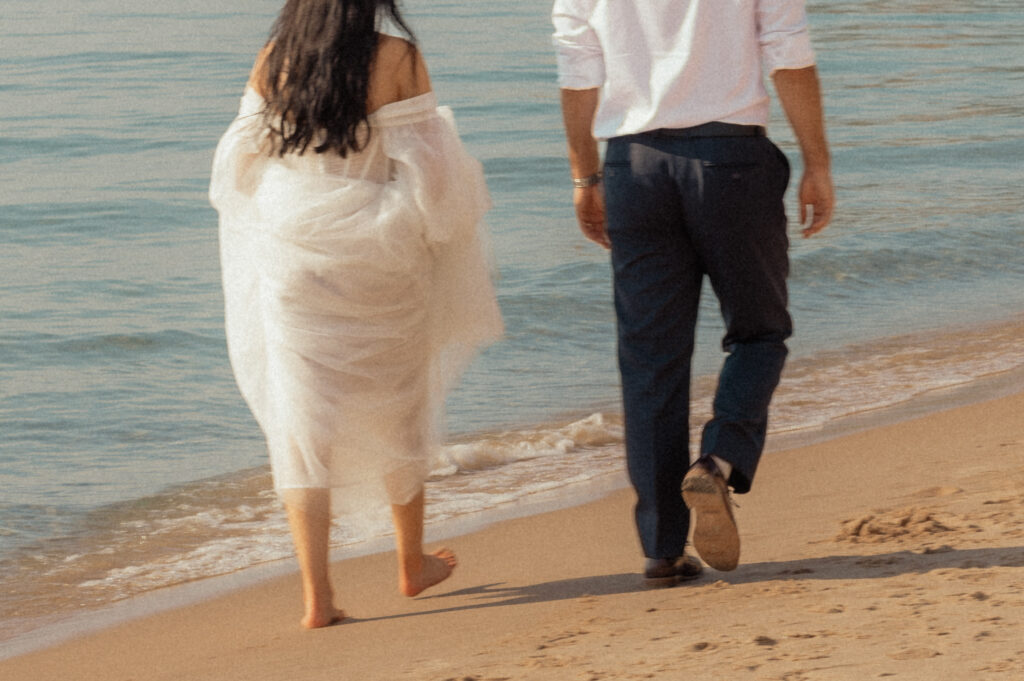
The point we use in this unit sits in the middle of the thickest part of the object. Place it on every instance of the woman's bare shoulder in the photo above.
(393, 50)
(399, 72)
(259, 69)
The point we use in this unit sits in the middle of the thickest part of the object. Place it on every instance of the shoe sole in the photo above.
(715, 535)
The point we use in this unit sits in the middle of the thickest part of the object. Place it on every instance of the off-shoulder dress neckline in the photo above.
(401, 106)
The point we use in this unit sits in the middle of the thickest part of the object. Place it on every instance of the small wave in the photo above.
(146, 342)
(107, 58)
(58, 349)
(488, 451)
(885, 372)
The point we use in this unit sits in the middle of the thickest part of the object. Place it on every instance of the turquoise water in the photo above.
(128, 460)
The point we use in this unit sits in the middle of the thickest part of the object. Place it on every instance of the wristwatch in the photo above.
(589, 181)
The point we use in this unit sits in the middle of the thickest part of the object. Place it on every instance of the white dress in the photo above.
(356, 289)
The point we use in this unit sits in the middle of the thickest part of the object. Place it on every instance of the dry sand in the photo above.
(896, 552)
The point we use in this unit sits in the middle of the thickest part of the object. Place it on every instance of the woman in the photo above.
(355, 282)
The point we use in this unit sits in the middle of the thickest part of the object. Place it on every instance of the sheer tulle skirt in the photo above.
(346, 324)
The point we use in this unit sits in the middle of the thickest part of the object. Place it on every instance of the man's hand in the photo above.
(589, 203)
(578, 108)
(817, 199)
(800, 95)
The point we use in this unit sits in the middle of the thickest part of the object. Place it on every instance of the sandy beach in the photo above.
(893, 552)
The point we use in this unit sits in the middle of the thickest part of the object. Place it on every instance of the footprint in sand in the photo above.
(886, 526)
(933, 492)
(915, 654)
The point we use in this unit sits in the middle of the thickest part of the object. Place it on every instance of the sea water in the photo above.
(128, 461)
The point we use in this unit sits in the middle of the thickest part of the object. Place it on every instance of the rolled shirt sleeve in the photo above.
(577, 47)
(783, 35)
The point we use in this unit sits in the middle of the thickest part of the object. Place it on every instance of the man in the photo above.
(691, 187)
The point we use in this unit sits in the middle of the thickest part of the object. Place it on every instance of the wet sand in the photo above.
(896, 551)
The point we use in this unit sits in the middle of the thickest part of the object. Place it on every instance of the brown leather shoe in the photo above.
(689, 568)
(663, 572)
(715, 535)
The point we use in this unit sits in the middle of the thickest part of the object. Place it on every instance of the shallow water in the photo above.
(129, 461)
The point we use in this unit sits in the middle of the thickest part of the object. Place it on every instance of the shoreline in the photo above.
(993, 386)
(173, 603)
(195, 592)
(200, 529)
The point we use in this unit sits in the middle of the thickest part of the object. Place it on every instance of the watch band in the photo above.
(589, 181)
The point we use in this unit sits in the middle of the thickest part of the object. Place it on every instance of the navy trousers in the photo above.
(679, 208)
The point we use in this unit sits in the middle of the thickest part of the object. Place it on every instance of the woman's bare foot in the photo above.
(432, 569)
(322, 617)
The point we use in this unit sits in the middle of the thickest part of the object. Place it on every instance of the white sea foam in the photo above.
(523, 445)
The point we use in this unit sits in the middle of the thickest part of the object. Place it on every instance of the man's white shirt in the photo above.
(677, 63)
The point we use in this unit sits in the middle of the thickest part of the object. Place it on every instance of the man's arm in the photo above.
(578, 109)
(800, 95)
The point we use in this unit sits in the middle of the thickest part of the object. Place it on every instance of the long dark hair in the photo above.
(316, 71)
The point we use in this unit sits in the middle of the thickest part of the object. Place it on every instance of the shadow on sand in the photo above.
(845, 567)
